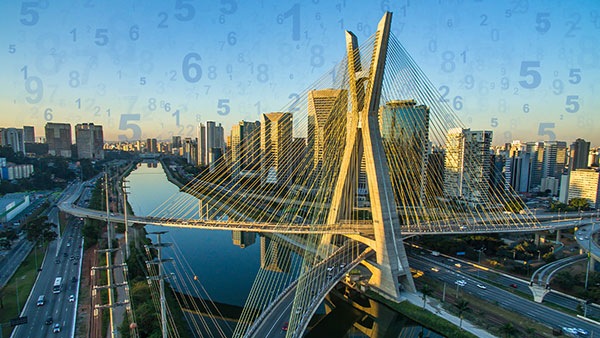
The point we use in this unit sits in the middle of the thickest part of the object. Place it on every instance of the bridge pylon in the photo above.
(390, 267)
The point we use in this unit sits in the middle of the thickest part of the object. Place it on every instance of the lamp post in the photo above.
(589, 253)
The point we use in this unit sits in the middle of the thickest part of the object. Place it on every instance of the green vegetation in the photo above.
(23, 278)
(424, 317)
(147, 321)
(575, 204)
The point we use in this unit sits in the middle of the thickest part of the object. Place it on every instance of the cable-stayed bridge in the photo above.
(373, 154)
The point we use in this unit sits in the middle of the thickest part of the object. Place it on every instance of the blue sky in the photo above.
(527, 70)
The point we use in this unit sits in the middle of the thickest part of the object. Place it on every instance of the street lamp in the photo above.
(17, 294)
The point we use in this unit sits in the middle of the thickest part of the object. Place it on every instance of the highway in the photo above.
(538, 312)
(63, 259)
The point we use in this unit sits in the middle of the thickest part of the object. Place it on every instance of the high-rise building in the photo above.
(151, 145)
(245, 147)
(327, 110)
(584, 183)
(536, 149)
(190, 150)
(215, 138)
(28, 134)
(202, 153)
(578, 154)
(58, 137)
(404, 129)
(13, 137)
(89, 139)
(275, 145)
(593, 157)
(555, 159)
(467, 165)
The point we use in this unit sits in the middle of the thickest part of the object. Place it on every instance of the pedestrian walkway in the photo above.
(435, 307)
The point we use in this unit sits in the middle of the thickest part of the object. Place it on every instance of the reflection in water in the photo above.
(211, 257)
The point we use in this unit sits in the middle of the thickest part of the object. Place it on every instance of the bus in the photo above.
(57, 284)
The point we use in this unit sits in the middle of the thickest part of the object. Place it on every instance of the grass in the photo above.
(424, 317)
(24, 278)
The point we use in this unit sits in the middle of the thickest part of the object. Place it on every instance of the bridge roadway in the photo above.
(271, 320)
(363, 228)
(584, 237)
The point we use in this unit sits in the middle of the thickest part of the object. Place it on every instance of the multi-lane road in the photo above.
(448, 273)
(64, 262)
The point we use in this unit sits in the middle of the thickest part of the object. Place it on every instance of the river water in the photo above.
(227, 271)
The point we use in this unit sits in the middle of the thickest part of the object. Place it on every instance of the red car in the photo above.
(285, 326)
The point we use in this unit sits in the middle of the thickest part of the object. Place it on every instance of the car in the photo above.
(299, 310)
(513, 285)
(458, 265)
(330, 269)
(481, 286)
(71, 298)
(48, 320)
(74, 279)
(68, 245)
(461, 282)
(57, 261)
(285, 326)
(435, 268)
(56, 328)
(343, 265)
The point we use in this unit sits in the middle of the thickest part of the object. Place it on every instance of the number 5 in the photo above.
(124, 125)
(543, 130)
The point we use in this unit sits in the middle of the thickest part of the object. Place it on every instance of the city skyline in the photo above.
(524, 71)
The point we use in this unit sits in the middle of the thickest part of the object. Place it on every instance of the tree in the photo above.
(40, 229)
(463, 306)
(426, 291)
(508, 330)
(579, 203)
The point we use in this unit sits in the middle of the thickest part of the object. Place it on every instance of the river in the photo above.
(227, 271)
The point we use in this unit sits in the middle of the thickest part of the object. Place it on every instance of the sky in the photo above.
(527, 70)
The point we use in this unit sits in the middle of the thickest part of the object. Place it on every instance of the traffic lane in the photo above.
(273, 327)
(552, 297)
(508, 300)
(57, 305)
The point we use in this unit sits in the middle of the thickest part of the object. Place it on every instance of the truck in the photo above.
(435, 253)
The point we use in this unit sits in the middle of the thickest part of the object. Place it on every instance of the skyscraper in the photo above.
(585, 183)
(58, 137)
(89, 139)
(467, 165)
(245, 147)
(215, 138)
(28, 134)
(578, 154)
(404, 129)
(275, 146)
(327, 109)
(13, 137)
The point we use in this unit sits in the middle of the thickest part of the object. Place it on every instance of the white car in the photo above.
(481, 286)
(56, 328)
(461, 282)
(71, 298)
(435, 269)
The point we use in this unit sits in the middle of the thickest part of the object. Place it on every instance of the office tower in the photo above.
(275, 146)
(201, 135)
(467, 165)
(584, 183)
(245, 148)
(58, 138)
(593, 157)
(215, 138)
(13, 138)
(518, 167)
(327, 109)
(151, 145)
(28, 134)
(404, 129)
(190, 150)
(536, 150)
(89, 139)
(555, 159)
(175, 145)
(435, 174)
(578, 154)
